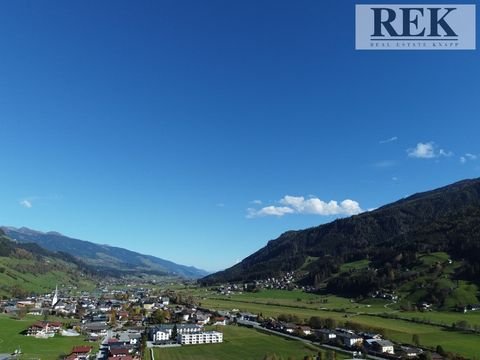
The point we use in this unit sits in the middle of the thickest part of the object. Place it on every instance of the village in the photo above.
(123, 323)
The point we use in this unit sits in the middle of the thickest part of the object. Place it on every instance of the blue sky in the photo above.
(191, 130)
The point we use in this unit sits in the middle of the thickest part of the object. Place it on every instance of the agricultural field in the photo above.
(241, 343)
(31, 347)
(368, 313)
(295, 298)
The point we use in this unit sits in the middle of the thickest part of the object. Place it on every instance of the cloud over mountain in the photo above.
(300, 205)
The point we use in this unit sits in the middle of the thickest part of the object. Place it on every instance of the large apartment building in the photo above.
(207, 337)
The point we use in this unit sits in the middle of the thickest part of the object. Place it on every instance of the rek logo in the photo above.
(411, 20)
(415, 27)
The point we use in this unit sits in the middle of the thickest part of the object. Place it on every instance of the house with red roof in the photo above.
(81, 352)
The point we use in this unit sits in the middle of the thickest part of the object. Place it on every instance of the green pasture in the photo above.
(31, 347)
(241, 343)
(396, 329)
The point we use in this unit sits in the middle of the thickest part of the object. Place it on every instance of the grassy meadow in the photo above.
(271, 303)
(32, 348)
(19, 273)
(241, 343)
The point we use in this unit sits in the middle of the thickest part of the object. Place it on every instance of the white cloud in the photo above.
(26, 203)
(445, 153)
(269, 211)
(257, 202)
(393, 138)
(427, 151)
(300, 205)
(468, 157)
(422, 151)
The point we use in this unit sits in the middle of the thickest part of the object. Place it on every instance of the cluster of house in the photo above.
(346, 338)
(229, 289)
(124, 345)
(119, 347)
(121, 317)
(285, 282)
(118, 315)
(39, 305)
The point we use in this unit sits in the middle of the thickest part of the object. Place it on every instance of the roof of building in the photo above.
(44, 324)
(179, 326)
(82, 349)
(119, 351)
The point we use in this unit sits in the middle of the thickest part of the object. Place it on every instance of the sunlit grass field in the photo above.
(31, 347)
(276, 302)
(241, 343)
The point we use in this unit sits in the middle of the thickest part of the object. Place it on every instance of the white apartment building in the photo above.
(161, 335)
(164, 332)
(207, 337)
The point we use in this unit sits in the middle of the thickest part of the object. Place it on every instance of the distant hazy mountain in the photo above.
(102, 256)
(384, 248)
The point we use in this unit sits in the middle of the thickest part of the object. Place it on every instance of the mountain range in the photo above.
(29, 268)
(384, 248)
(109, 259)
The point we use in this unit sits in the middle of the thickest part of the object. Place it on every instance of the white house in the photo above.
(207, 337)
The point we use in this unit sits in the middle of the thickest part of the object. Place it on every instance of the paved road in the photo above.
(100, 354)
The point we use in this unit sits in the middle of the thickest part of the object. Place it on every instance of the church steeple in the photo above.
(55, 296)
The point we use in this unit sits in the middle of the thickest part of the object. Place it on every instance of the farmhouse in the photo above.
(44, 327)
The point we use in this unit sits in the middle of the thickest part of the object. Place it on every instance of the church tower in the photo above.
(55, 296)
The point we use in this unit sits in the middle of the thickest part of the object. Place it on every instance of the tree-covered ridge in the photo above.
(28, 268)
(392, 239)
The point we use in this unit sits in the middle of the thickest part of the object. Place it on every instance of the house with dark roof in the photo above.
(118, 352)
(382, 346)
(349, 339)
